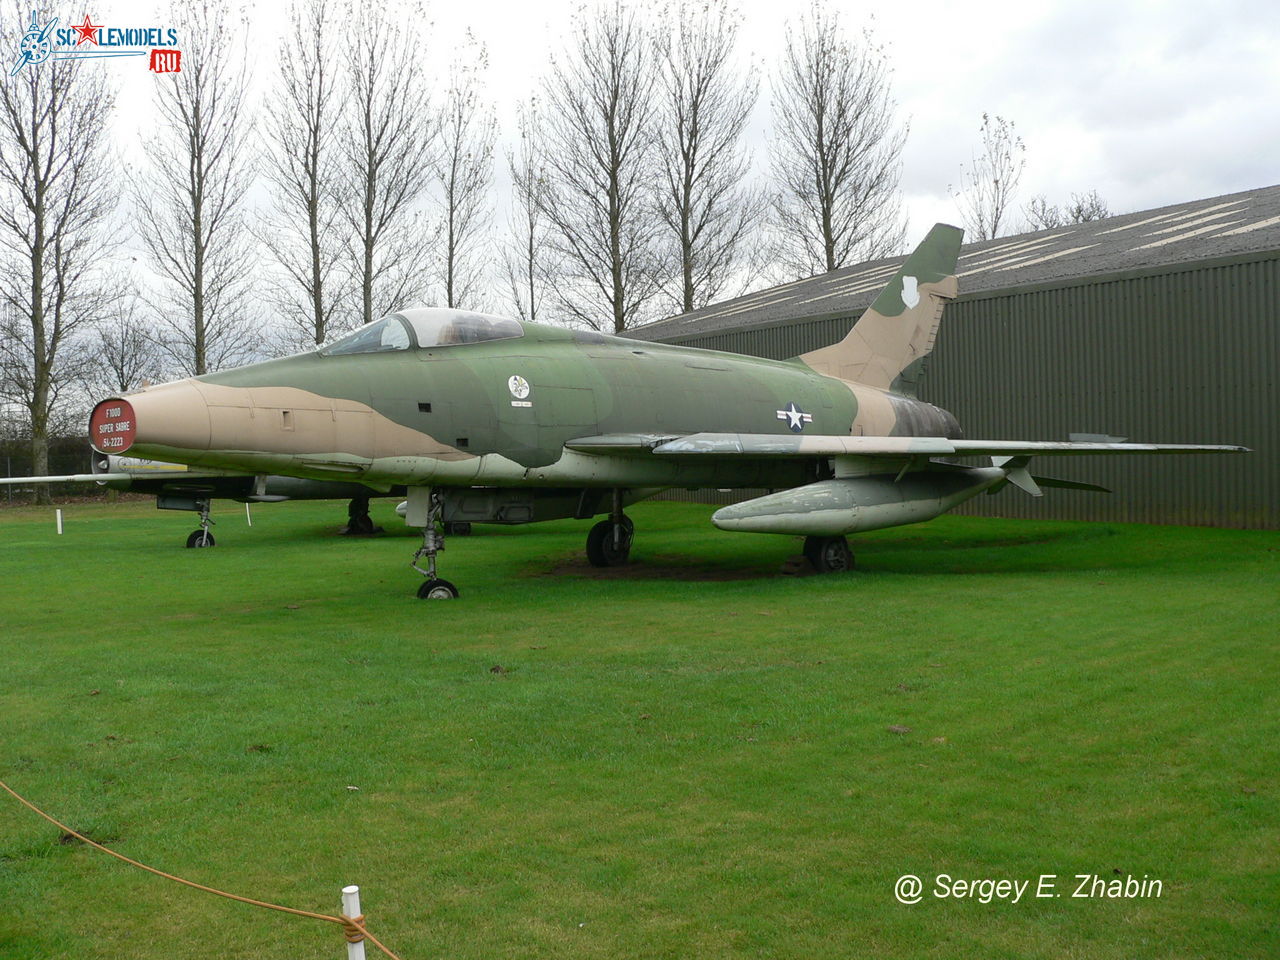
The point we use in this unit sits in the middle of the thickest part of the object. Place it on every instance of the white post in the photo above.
(248, 517)
(59, 515)
(351, 908)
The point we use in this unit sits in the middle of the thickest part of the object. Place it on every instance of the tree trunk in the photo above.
(686, 249)
(201, 363)
(317, 281)
(40, 355)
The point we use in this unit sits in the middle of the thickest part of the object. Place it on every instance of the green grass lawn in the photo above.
(693, 757)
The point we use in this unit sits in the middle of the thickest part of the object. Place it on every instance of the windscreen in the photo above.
(435, 327)
(381, 336)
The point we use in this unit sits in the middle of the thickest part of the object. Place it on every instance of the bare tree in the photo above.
(464, 173)
(1043, 215)
(600, 100)
(304, 230)
(389, 132)
(990, 183)
(527, 260)
(55, 204)
(191, 195)
(122, 351)
(709, 213)
(836, 150)
(1084, 207)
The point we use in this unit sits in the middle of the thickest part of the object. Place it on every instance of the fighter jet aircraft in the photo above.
(487, 419)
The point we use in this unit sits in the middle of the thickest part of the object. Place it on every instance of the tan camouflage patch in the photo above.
(879, 348)
(875, 417)
(197, 415)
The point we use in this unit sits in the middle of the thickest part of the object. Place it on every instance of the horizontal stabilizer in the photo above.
(1021, 478)
(1071, 484)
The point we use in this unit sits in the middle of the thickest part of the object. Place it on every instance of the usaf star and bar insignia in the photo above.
(795, 417)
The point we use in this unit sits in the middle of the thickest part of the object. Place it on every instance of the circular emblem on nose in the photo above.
(112, 426)
(519, 387)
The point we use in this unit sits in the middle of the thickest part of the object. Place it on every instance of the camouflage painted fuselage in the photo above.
(450, 415)
(481, 418)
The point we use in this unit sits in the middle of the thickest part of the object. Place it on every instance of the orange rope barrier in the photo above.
(352, 927)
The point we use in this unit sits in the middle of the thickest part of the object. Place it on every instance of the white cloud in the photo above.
(1148, 102)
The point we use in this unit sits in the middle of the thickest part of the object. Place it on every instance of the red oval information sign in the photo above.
(112, 426)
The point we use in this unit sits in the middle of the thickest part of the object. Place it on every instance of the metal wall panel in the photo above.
(1190, 355)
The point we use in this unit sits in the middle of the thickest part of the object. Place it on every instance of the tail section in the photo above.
(888, 345)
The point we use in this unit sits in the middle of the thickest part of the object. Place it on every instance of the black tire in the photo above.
(458, 528)
(201, 538)
(437, 590)
(602, 551)
(828, 554)
(359, 525)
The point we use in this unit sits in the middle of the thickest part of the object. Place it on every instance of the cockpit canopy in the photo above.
(424, 328)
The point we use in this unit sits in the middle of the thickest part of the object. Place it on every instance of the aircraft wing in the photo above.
(799, 446)
(71, 478)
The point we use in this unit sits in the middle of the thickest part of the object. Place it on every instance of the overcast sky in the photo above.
(1149, 103)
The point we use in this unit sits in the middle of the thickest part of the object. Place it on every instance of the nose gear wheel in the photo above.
(432, 544)
(202, 537)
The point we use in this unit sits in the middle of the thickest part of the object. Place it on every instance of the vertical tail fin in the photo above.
(888, 345)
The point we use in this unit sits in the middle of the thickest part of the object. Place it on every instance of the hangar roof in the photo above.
(1232, 225)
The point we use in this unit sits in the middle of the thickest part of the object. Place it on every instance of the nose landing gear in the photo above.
(359, 523)
(432, 544)
(202, 537)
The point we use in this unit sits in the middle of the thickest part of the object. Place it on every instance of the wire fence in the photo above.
(353, 927)
(19, 463)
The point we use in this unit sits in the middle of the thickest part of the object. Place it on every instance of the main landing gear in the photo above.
(609, 542)
(432, 544)
(828, 554)
(359, 523)
(202, 537)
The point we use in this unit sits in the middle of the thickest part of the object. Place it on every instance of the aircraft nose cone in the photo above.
(172, 415)
(112, 426)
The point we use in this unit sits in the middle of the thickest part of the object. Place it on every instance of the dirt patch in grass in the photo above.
(24, 499)
(656, 568)
(968, 543)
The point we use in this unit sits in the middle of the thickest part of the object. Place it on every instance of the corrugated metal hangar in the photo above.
(1159, 326)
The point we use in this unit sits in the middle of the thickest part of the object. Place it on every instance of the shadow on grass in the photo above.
(682, 548)
(1038, 551)
(661, 566)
